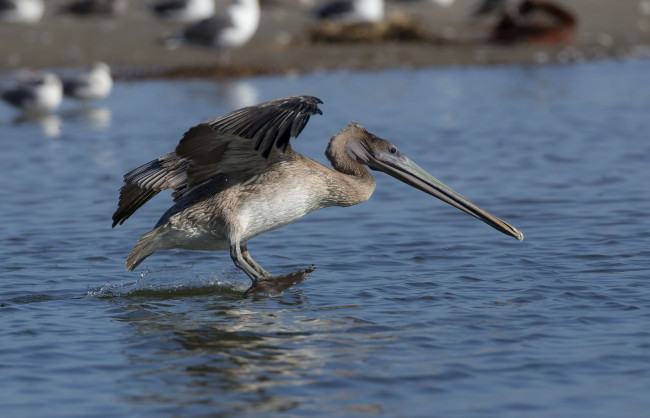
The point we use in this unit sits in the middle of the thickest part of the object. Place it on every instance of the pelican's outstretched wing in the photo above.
(146, 181)
(238, 143)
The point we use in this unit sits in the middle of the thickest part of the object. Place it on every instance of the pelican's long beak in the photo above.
(402, 168)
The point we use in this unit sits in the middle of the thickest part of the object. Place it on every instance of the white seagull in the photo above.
(224, 31)
(93, 84)
(352, 11)
(39, 95)
(21, 11)
(184, 10)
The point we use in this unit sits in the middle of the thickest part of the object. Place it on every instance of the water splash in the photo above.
(173, 282)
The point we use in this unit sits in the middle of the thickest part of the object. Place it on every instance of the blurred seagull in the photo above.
(21, 11)
(93, 84)
(96, 7)
(184, 10)
(38, 95)
(224, 31)
(352, 11)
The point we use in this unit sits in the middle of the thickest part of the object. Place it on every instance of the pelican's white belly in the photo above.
(188, 237)
(267, 212)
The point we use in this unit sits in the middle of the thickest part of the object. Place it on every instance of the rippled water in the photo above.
(415, 309)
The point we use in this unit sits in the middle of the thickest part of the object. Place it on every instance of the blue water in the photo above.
(415, 308)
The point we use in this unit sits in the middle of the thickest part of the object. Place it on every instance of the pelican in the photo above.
(236, 176)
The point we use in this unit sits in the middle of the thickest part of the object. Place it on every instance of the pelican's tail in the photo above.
(144, 248)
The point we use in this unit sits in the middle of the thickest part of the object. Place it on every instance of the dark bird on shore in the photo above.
(351, 11)
(236, 176)
(537, 21)
(96, 7)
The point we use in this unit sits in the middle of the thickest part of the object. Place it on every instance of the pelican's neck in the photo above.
(354, 182)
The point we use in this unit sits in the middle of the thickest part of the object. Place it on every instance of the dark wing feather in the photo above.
(224, 144)
(146, 181)
(238, 144)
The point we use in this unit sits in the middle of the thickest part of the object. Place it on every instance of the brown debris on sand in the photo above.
(536, 21)
(398, 26)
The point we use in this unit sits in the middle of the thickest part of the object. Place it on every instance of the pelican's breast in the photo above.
(271, 206)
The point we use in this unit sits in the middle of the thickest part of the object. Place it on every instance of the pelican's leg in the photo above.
(240, 261)
(253, 263)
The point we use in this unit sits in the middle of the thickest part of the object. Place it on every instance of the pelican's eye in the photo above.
(392, 149)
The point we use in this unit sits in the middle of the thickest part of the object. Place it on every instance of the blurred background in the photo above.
(537, 110)
(450, 33)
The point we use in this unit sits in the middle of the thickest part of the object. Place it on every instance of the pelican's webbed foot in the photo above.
(274, 285)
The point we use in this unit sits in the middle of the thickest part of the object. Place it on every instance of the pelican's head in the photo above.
(381, 155)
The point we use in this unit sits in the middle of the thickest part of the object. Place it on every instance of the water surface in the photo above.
(415, 308)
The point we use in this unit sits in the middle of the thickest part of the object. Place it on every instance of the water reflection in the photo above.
(50, 124)
(96, 118)
(261, 354)
(236, 351)
(239, 93)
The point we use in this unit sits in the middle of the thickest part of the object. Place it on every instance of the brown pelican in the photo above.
(236, 176)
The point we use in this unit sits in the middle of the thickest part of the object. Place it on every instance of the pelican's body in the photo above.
(236, 177)
(293, 189)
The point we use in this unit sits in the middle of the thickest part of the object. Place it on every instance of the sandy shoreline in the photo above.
(130, 44)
